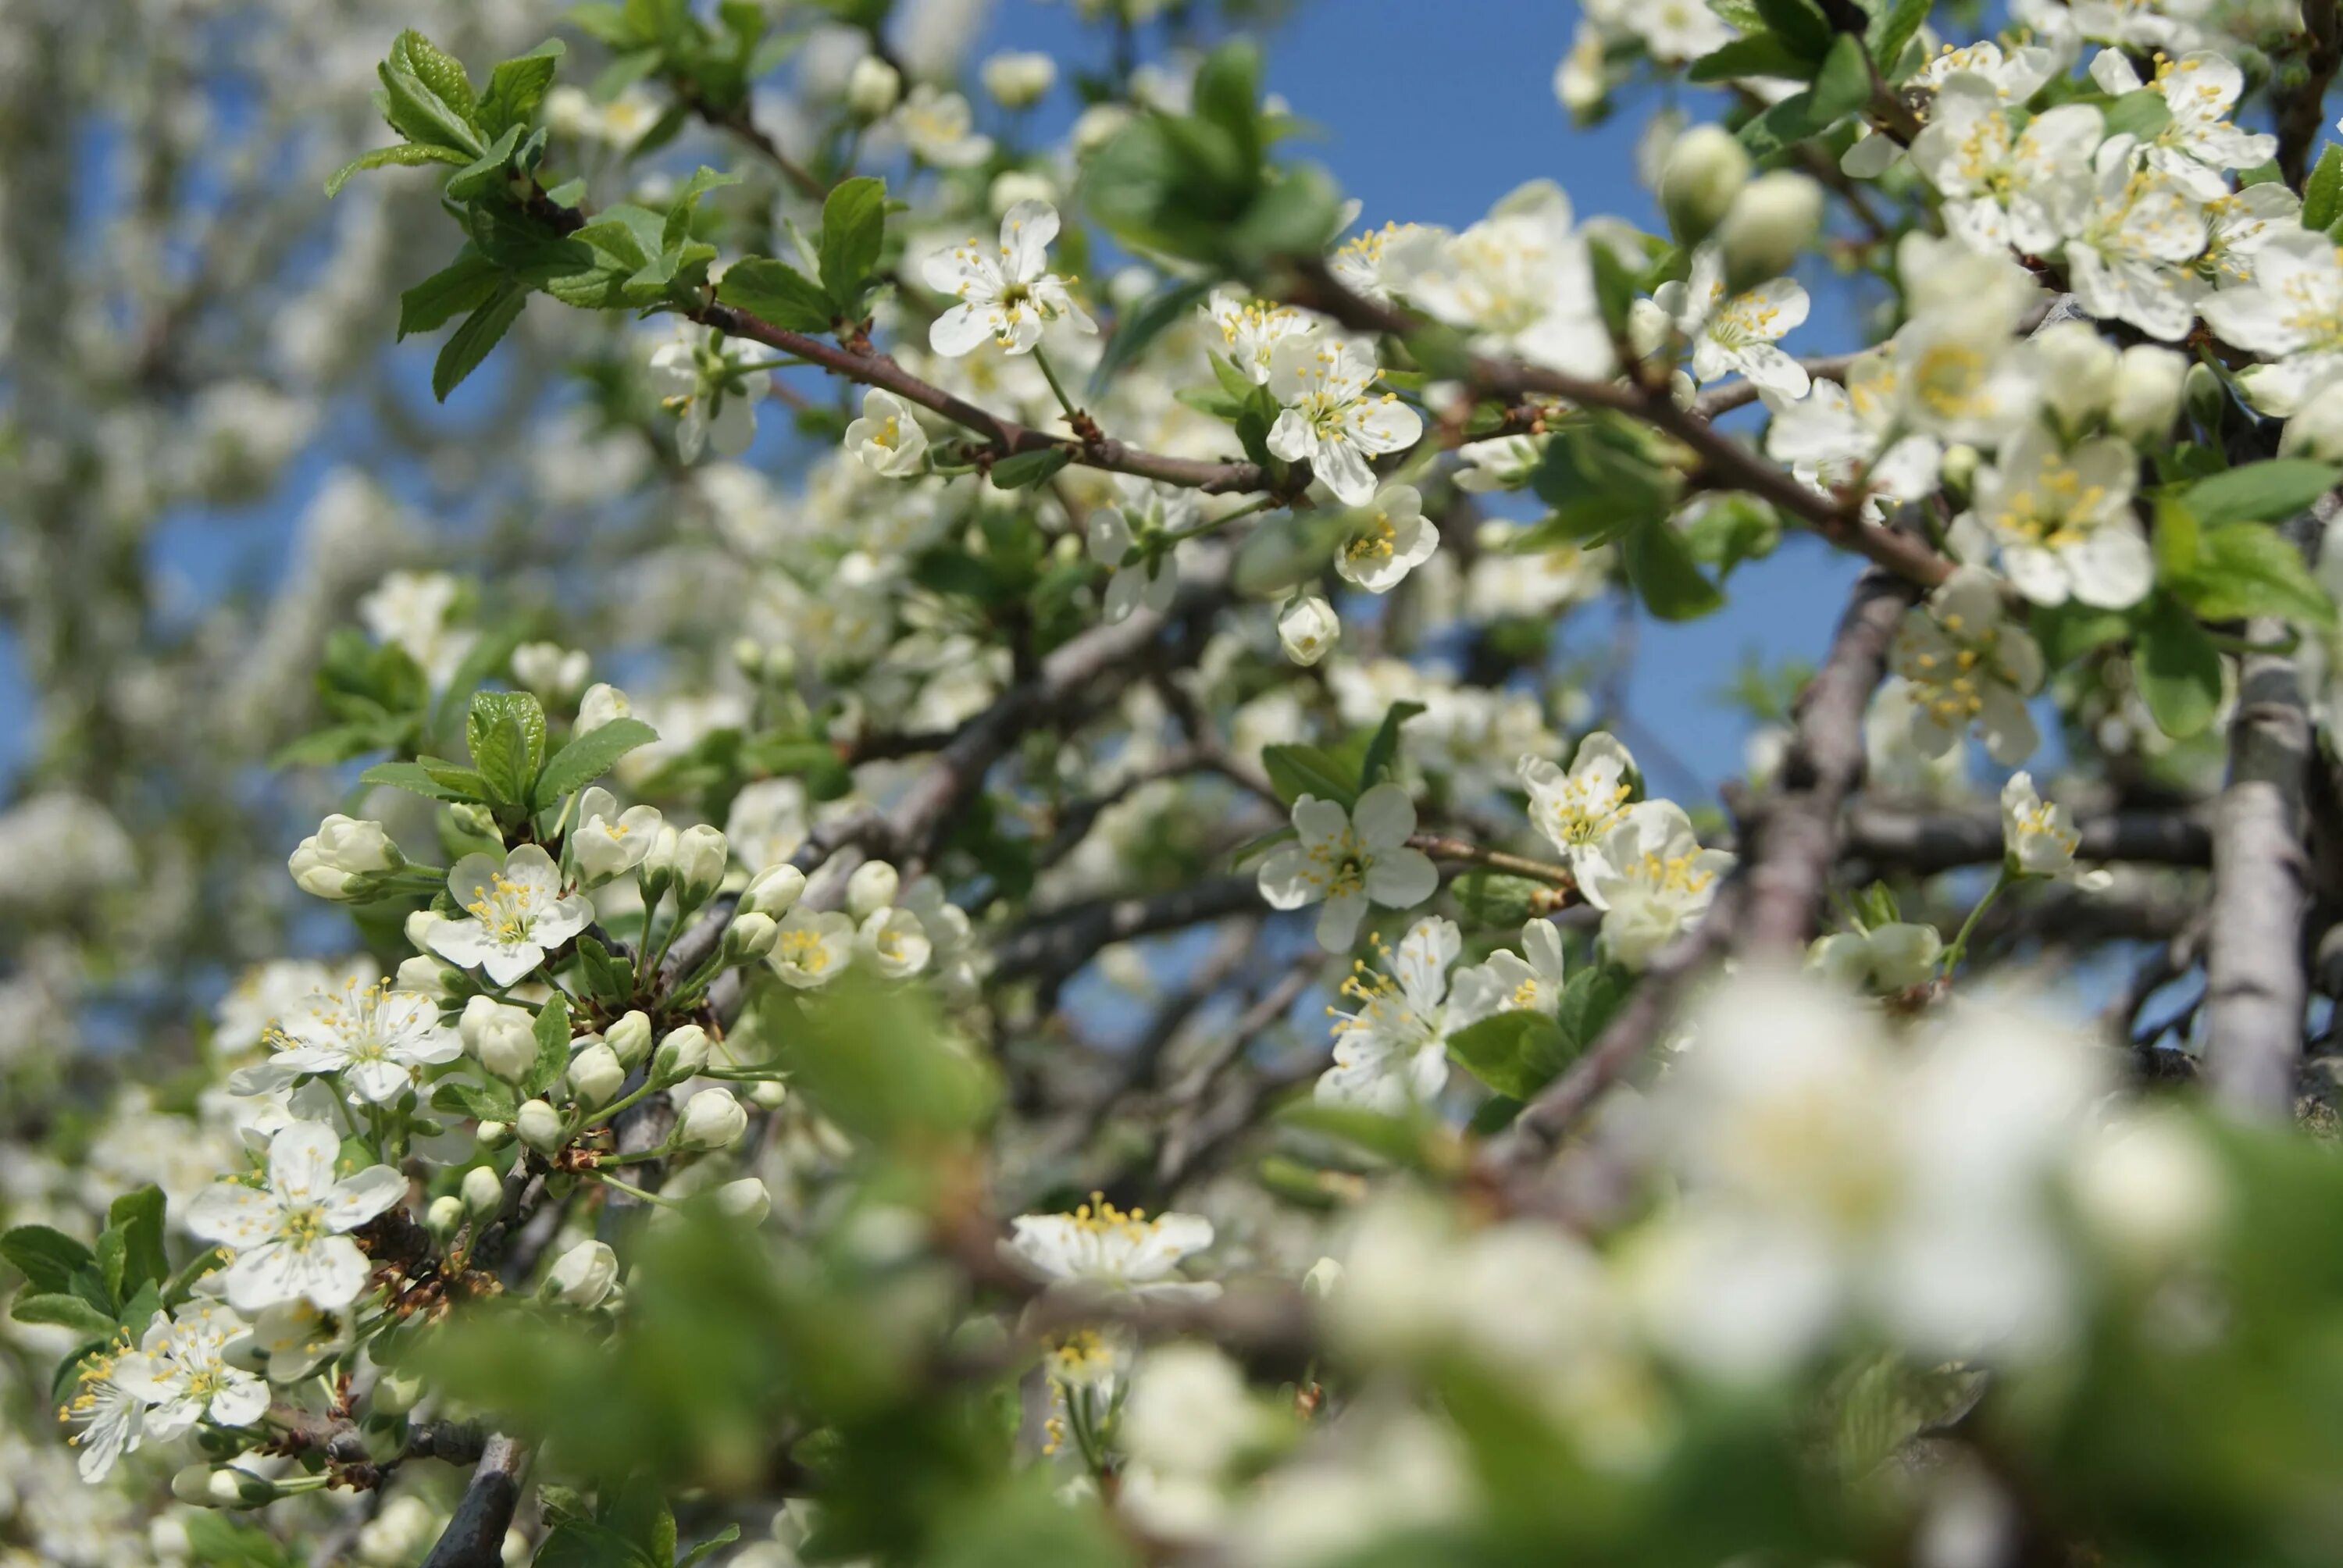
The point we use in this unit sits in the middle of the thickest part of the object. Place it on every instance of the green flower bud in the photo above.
(1705, 170)
(1771, 223)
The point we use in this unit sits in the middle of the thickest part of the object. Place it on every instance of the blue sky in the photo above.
(1432, 112)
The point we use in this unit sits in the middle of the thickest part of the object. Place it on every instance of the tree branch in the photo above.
(475, 1536)
(1925, 842)
(2255, 983)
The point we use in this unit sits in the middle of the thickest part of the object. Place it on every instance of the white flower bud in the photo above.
(442, 1215)
(700, 856)
(549, 669)
(682, 1052)
(768, 1094)
(1308, 628)
(1016, 79)
(423, 974)
(582, 1276)
(657, 866)
(419, 926)
(629, 1038)
(872, 887)
(711, 1119)
(750, 937)
(773, 890)
(1012, 186)
(2315, 431)
(502, 1038)
(339, 860)
(745, 1200)
(490, 1136)
(1323, 1276)
(607, 844)
(1096, 126)
(2078, 371)
(2148, 393)
(538, 1125)
(484, 1190)
(201, 1486)
(595, 1073)
(1772, 221)
(602, 703)
(1705, 170)
(872, 87)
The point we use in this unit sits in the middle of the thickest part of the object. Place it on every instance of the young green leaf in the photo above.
(1844, 84)
(853, 228)
(1666, 577)
(1298, 771)
(1383, 751)
(2250, 569)
(465, 284)
(2176, 666)
(1514, 1053)
(2260, 492)
(552, 1047)
(776, 292)
(404, 154)
(1029, 468)
(137, 1218)
(64, 1312)
(49, 1259)
(587, 757)
(470, 342)
(518, 86)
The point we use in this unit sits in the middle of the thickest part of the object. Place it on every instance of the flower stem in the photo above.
(634, 1192)
(1954, 954)
(1073, 415)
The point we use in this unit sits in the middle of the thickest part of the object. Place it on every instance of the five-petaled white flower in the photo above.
(1736, 334)
(1576, 810)
(2004, 186)
(2064, 521)
(181, 1371)
(2038, 834)
(1250, 328)
(888, 437)
(1350, 859)
(1006, 297)
(1332, 416)
(716, 398)
(516, 912)
(813, 948)
(290, 1236)
(1528, 982)
(2199, 141)
(1138, 538)
(1102, 1247)
(1391, 1051)
(1885, 959)
(1969, 665)
(374, 1037)
(1390, 539)
(1651, 878)
(106, 1418)
(2125, 248)
(1378, 263)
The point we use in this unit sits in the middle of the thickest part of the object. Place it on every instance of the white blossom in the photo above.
(1348, 861)
(1006, 297)
(289, 1236)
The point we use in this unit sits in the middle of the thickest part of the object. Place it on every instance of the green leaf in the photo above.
(640, 1515)
(587, 757)
(1298, 771)
(1029, 468)
(420, 115)
(137, 1218)
(1495, 898)
(2068, 631)
(2177, 668)
(47, 1259)
(2250, 569)
(1844, 84)
(470, 343)
(480, 175)
(518, 86)
(1589, 1000)
(678, 227)
(465, 284)
(778, 293)
(1758, 54)
(2322, 194)
(218, 1541)
(436, 69)
(1514, 1053)
(506, 731)
(1800, 26)
(722, 1538)
(2260, 492)
(552, 1047)
(1786, 124)
(2140, 113)
(181, 1287)
(64, 1311)
(404, 154)
(1382, 751)
(1255, 848)
(1897, 27)
(1666, 578)
(412, 778)
(1410, 1140)
(853, 228)
(490, 1102)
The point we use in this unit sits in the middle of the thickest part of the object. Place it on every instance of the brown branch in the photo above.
(2255, 983)
(1443, 847)
(1723, 462)
(475, 1536)
(1922, 843)
(1053, 944)
(1741, 394)
(1797, 838)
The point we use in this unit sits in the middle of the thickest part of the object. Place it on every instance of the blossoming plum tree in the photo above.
(974, 897)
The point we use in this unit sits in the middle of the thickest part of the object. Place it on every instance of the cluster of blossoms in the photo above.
(934, 749)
